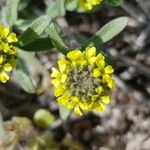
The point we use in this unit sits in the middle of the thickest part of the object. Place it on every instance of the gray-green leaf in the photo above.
(56, 39)
(108, 31)
(56, 9)
(34, 30)
(71, 5)
(22, 76)
(12, 11)
(63, 112)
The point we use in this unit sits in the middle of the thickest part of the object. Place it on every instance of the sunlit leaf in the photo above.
(56, 9)
(108, 31)
(34, 30)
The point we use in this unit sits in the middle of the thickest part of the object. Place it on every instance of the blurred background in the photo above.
(125, 125)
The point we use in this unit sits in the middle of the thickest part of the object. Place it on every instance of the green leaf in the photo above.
(22, 24)
(2, 132)
(22, 76)
(56, 39)
(40, 44)
(71, 5)
(56, 9)
(38, 67)
(63, 112)
(11, 11)
(107, 32)
(34, 30)
(23, 4)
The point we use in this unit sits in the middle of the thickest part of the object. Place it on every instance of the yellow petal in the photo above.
(12, 50)
(4, 47)
(94, 2)
(96, 73)
(100, 107)
(70, 105)
(106, 78)
(12, 38)
(90, 52)
(77, 111)
(74, 99)
(4, 77)
(92, 60)
(56, 82)
(85, 5)
(58, 91)
(62, 65)
(111, 83)
(75, 55)
(108, 69)
(99, 89)
(63, 100)
(1, 59)
(7, 67)
(5, 32)
(63, 78)
(100, 61)
(92, 106)
(55, 73)
(105, 99)
(83, 106)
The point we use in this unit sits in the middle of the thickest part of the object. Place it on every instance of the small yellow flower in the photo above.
(7, 52)
(83, 81)
(89, 4)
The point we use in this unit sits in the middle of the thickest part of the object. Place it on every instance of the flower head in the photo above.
(7, 52)
(89, 4)
(83, 81)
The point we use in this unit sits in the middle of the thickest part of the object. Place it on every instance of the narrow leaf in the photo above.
(34, 30)
(56, 39)
(11, 11)
(23, 77)
(56, 9)
(40, 44)
(64, 112)
(107, 32)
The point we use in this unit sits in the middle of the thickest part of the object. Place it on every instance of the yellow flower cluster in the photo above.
(83, 81)
(88, 4)
(7, 52)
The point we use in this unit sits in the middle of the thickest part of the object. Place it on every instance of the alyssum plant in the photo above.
(83, 77)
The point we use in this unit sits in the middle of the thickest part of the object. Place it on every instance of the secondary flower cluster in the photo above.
(88, 4)
(83, 81)
(7, 52)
